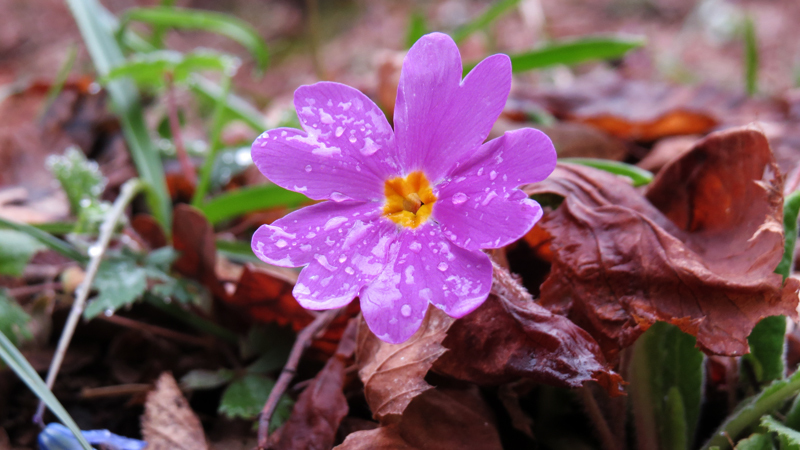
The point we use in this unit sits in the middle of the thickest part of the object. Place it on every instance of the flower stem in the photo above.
(128, 192)
(175, 130)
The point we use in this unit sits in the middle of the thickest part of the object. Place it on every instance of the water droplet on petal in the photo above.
(308, 168)
(281, 243)
(415, 246)
(338, 197)
(459, 198)
(405, 310)
(349, 270)
(339, 131)
(343, 258)
(352, 139)
(492, 175)
(442, 266)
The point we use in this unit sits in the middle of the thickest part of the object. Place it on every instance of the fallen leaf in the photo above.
(701, 256)
(269, 299)
(193, 237)
(511, 336)
(168, 422)
(393, 374)
(439, 419)
(148, 228)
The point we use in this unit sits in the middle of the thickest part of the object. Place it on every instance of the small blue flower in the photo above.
(58, 437)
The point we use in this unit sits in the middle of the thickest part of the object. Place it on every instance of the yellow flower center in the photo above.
(409, 200)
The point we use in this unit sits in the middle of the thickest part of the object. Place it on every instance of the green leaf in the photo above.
(793, 416)
(572, 52)
(767, 349)
(16, 249)
(272, 344)
(638, 176)
(13, 320)
(494, 11)
(417, 27)
(14, 359)
(756, 441)
(95, 25)
(199, 379)
(667, 383)
(252, 198)
(193, 19)
(49, 240)
(245, 397)
(791, 208)
(750, 411)
(152, 69)
(750, 56)
(119, 283)
(80, 178)
(788, 435)
(234, 107)
(237, 251)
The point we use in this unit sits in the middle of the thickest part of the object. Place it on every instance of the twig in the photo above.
(127, 193)
(116, 391)
(175, 129)
(302, 342)
(156, 330)
(607, 439)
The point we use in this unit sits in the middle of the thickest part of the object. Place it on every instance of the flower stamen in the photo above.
(409, 200)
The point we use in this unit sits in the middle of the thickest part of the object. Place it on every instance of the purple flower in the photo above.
(411, 208)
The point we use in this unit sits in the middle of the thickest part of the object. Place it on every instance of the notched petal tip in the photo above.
(267, 241)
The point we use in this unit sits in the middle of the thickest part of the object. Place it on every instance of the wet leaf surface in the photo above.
(698, 252)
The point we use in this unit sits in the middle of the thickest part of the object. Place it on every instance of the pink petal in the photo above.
(479, 205)
(425, 267)
(338, 273)
(438, 118)
(346, 151)
(294, 239)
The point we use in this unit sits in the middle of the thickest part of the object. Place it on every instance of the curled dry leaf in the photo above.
(699, 252)
(393, 374)
(440, 419)
(510, 337)
(148, 228)
(193, 237)
(168, 422)
(269, 299)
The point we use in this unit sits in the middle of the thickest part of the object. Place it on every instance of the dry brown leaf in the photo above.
(704, 262)
(168, 422)
(439, 419)
(393, 374)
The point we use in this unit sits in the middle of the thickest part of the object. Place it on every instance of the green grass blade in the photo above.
(640, 177)
(235, 107)
(494, 11)
(572, 52)
(106, 55)
(248, 199)
(14, 359)
(231, 27)
(417, 27)
(750, 57)
(47, 239)
(791, 208)
(61, 78)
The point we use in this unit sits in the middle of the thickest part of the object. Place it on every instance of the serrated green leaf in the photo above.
(199, 379)
(184, 18)
(767, 349)
(16, 249)
(789, 436)
(252, 198)
(638, 176)
(245, 398)
(13, 320)
(666, 365)
(119, 283)
(756, 441)
(152, 69)
(80, 178)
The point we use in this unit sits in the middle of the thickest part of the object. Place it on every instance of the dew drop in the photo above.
(94, 251)
(308, 168)
(338, 197)
(349, 270)
(352, 139)
(343, 258)
(442, 266)
(459, 198)
(492, 175)
(415, 246)
(281, 243)
(405, 310)
(108, 313)
(339, 131)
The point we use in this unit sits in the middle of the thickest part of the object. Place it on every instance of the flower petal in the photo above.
(424, 267)
(293, 240)
(346, 151)
(438, 118)
(336, 275)
(479, 205)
